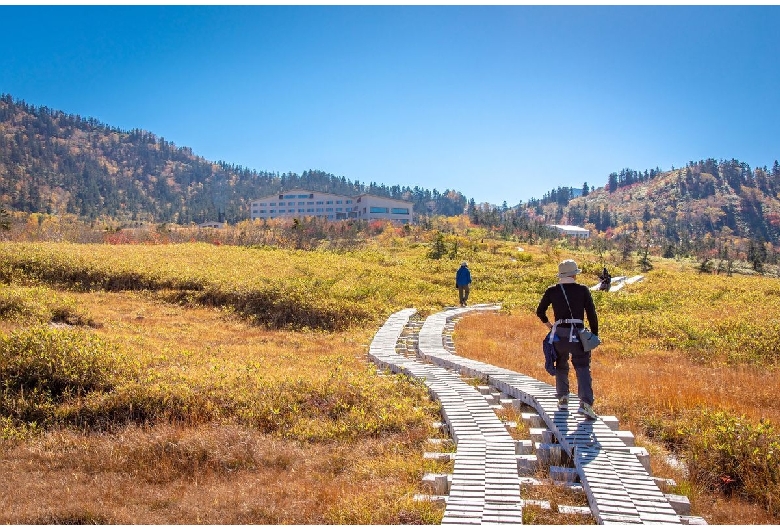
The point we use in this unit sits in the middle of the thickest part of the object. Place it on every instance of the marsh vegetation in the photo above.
(202, 383)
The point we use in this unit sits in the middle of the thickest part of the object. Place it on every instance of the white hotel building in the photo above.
(569, 230)
(307, 203)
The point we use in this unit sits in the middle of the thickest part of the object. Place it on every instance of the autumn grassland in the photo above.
(197, 383)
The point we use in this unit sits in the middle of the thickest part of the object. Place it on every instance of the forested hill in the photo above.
(709, 197)
(58, 163)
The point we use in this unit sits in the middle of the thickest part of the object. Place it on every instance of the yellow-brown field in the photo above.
(214, 455)
(193, 383)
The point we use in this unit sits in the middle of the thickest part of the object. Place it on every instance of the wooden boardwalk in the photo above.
(485, 484)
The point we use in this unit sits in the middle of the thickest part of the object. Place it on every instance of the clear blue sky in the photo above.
(502, 103)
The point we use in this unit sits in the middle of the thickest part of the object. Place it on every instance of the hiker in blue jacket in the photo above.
(462, 282)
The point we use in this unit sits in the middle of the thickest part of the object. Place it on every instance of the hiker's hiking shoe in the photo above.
(587, 411)
(563, 403)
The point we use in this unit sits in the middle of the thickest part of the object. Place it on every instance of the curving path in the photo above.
(485, 484)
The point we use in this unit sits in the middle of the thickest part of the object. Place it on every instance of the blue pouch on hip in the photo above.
(549, 352)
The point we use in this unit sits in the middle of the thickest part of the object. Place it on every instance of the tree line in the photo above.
(57, 163)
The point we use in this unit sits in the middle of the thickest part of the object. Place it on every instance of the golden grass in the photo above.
(638, 389)
(556, 496)
(262, 359)
(221, 472)
(211, 474)
(278, 288)
(510, 414)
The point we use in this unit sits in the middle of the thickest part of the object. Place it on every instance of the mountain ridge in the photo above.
(54, 162)
(721, 198)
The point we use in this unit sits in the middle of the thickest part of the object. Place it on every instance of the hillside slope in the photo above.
(706, 197)
(57, 163)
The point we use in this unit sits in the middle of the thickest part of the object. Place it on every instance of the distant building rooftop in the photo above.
(211, 224)
(571, 230)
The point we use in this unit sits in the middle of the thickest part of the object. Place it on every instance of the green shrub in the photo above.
(59, 361)
(40, 305)
(41, 368)
(151, 399)
(347, 405)
(13, 429)
(727, 453)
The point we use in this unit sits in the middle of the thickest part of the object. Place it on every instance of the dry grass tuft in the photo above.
(211, 475)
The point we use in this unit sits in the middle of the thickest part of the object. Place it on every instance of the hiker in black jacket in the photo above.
(571, 301)
(606, 280)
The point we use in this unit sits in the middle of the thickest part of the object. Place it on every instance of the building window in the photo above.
(339, 209)
(338, 202)
(328, 202)
(400, 211)
(262, 211)
(328, 209)
(310, 203)
(320, 202)
(289, 197)
(309, 210)
(349, 201)
(300, 210)
(377, 209)
(307, 196)
(272, 204)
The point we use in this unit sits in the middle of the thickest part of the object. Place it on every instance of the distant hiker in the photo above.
(571, 301)
(462, 282)
(606, 280)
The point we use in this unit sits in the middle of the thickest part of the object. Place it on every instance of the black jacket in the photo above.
(579, 298)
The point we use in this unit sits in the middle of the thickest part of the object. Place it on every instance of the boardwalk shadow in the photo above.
(573, 433)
